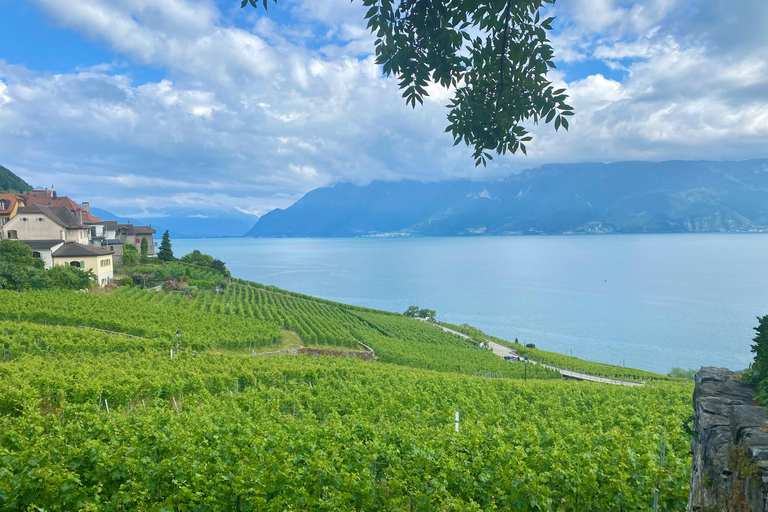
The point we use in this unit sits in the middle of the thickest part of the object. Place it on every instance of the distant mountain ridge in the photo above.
(10, 183)
(624, 197)
(187, 222)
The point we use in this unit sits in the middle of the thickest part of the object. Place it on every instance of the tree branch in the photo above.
(503, 53)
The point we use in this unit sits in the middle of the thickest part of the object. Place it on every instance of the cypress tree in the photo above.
(165, 253)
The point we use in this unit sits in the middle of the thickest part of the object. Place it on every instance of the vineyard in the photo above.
(93, 420)
(139, 313)
(232, 433)
(580, 365)
(562, 361)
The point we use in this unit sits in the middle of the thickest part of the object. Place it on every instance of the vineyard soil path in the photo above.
(502, 351)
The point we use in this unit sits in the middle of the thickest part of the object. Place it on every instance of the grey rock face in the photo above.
(730, 446)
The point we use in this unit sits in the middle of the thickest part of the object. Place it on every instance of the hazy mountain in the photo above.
(625, 197)
(9, 182)
(189, 223)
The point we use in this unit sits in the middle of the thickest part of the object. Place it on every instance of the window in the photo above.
(13, 235)
(3, 205)
(40, 219)
(3, 220)
(138, 241)
(75, 264)
(24, 219)
(37, 255)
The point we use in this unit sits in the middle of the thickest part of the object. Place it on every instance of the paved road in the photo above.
(502, 351)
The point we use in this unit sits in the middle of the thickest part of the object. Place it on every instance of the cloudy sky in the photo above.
(134, 104)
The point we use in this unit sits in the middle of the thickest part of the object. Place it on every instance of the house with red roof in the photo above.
(9, 205)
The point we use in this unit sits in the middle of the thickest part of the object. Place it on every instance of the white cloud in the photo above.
(4, 96)
(254, 119)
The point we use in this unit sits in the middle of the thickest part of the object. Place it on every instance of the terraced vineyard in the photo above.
(580, 365)
(562, 361)
(97, 421)
(326, 434)
(140, 313)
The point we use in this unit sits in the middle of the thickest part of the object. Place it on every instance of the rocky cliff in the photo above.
(730, 446)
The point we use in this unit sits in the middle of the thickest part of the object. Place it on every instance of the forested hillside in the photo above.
(9, 182)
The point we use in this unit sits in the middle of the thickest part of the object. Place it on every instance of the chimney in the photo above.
(87, 207)
(53, 192)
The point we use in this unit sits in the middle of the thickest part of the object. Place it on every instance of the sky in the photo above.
(139, 106)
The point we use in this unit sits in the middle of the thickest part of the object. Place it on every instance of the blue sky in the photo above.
(140, 105)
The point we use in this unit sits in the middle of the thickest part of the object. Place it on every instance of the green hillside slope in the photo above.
(133, 416)
(9, 182)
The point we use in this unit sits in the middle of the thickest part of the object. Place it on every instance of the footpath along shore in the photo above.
(502, 351)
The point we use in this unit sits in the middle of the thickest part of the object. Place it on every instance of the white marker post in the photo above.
(457, 421)
(171, 354)
(106, 404)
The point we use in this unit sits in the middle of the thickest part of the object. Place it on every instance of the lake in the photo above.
(647, 301)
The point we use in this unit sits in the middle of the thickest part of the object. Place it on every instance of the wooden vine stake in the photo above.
(175, 405)
(662, 456)
(457, 421)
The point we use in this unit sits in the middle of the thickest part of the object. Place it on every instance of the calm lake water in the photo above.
(653, 301)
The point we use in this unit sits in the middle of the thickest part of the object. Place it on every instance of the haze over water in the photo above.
(653, 301)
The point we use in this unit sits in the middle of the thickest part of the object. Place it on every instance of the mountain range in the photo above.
(624, 197)
(188, 223)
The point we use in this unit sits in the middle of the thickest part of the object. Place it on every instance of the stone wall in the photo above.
(729, 470)
(366, 355)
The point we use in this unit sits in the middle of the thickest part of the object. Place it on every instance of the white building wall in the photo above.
(33, 228)
(47, 255)
(81, 236)
(104, 271)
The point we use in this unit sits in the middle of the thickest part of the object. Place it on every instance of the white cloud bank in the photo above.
(252, 113)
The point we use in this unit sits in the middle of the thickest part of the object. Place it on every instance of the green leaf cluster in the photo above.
(206, 260)
(493, 55)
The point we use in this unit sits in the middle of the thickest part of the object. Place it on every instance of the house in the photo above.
(37, 222)
(110, 229)
(51, 200)
(98, 226)
(88, 257)
(82, 213)
(40, 192)
(131, 234)
(44, 249)
(116, 246)
(9, 205)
